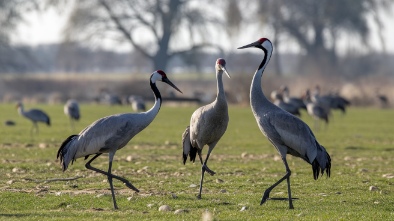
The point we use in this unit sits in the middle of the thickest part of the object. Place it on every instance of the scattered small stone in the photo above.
(193, 185)
(373, 188)
(150, 205)
(207, 216)
(165, 208)
(15, 170)
(99, 195)
(388, 175)
(129, 198)
(174, 196)
(129, 158)
(244, 155)
(104, 181)
(219, 181)
(322, 194)
(300, 214)
(223, 191)
(180, 211)
(376, 202)
(42, 145)
(244, 208)
(363, 170)
(9, 182)
(58, 193)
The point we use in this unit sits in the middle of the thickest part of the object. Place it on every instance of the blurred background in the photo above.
(52, 50)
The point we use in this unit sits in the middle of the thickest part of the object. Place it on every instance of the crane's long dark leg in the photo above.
(286, 176)
(111, 157)
(126, 182)
(204, 168)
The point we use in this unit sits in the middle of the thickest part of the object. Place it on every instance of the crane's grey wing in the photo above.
(37, 115)
(73, 110)
(293, 133)
(108, 133)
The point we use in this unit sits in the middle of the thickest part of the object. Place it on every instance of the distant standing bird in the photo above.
(35, 116)
(71, 109)
(287, 133)
(315, 110)
(137, 103)
(207, 125)
(289, 107)
(111, 133)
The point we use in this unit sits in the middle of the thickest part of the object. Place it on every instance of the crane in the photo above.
(207, 125)
(35, 115)
(295, 101)
(71, 109)
(287, 133)
(289, 107)
(111, 133)
(315, 110)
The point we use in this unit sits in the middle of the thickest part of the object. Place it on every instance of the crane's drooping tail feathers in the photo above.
(67, 152)
(321, 163)
(188, 149)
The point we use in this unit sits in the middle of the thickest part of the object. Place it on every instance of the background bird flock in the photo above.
(291, 110)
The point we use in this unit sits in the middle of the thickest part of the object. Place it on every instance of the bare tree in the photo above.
(155, 28)
(316, 25)
(11, 14)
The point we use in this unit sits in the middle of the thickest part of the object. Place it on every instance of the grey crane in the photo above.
(111, 133)
(295, 101)
(71, 109)
(287, 133)
(289, 107)
(207, 125)
(35, 115)
(315, 110)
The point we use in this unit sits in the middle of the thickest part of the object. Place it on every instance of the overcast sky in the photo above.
(47, 28)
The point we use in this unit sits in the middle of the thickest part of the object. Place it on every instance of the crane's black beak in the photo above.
(166, 80)
(254, 44)
(225, 70)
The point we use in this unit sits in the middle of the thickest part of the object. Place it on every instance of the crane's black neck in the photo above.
(156, 92)
(264, 61)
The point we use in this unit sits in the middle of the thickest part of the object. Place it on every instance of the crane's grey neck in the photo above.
(220, 95)
(256, 93)
(21, 110)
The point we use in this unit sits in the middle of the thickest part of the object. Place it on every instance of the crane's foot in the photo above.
(129, 185)
(211, 172)
(291, 205)
(199, 196)
(266, 196)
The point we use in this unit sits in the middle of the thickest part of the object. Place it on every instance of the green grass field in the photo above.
(361, 145)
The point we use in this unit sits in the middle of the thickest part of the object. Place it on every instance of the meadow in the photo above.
(33, 186)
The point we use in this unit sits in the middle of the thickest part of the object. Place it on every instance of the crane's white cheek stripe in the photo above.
(155, 77)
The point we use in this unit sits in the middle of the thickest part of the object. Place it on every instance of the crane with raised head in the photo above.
(71, 109)
(287, 133)
(111, 133)
(35, 115)
(207, 125)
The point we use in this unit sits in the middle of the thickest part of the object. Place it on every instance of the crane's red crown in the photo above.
(221, 61)
(161, 73)
(261, 40)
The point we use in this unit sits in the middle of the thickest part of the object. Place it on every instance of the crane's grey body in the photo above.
(207, 125)
(315, 110)
(111, 133)
(71, 109)
(108, 134)
(35, 115)
(289, 107)
(286, 132)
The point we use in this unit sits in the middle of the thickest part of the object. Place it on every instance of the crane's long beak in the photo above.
(225, 71)
(166, 80)
(250, 45)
